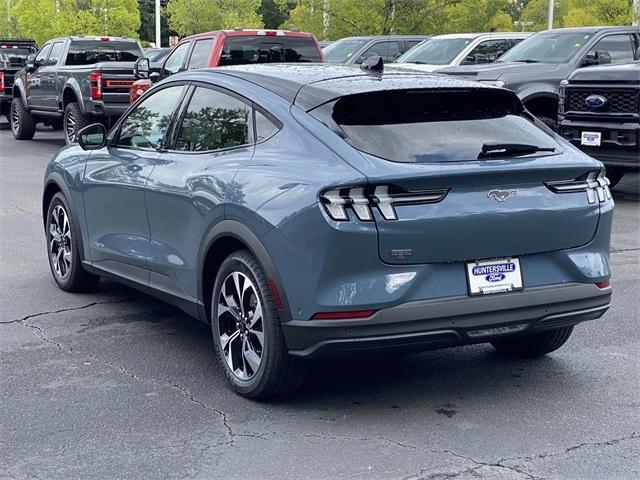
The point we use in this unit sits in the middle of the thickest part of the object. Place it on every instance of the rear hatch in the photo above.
(453, 175)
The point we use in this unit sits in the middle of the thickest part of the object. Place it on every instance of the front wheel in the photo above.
(63, 250)
(246, 330)
(534, 345)
(23, 123)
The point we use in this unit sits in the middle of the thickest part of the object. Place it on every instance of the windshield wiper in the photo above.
(526, 60)
(500, 149)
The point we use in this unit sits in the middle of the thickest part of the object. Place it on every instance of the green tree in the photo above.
(598, 12)
(193, 16)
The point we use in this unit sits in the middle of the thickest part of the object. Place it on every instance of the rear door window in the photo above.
(423, 126)
(200, 54)
(88, 52)
(44, 53)
(245, 49)
(56, 53)
(213, 121)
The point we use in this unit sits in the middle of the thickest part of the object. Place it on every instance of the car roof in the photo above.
(484, 34)
(77, 38)
(310, 85)
(241, 32)
(383, 37)
(594, 29)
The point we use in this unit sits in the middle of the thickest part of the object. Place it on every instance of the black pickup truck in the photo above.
(73, 82)
(535, 67)
(600, 114)
(13, 56)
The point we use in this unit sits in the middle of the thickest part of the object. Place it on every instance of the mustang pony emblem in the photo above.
(501, 195)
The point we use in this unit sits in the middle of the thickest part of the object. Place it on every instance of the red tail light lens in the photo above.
(603, 284)
(1, 82)
(95, 79)
(355, 314)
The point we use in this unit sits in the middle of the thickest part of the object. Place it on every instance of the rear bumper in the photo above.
(101, 109)
(449, 321)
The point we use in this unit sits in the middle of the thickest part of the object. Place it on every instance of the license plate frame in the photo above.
(494, 276)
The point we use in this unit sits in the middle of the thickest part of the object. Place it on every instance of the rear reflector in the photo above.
(343, 315)
(1, 82)
(603, 284)
(275, 293)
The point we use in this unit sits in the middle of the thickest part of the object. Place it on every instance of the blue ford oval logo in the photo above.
(495, 277)
(595, 101)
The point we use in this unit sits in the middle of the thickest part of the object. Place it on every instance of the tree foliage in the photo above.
(579, 13)
(45, 19)
(192, 16)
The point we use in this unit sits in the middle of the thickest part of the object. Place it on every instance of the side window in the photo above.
(176, 60)
(486, 52)
(620, 47)
(146, 125)
(389, 51)
(200, 54)
(44, 53)
(213, 121)
(56, 53)
(264, 127)
(411, 44)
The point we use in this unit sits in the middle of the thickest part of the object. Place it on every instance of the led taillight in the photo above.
(603, 284)
(363, 200)
(95, 80)
(595, 183)
(1, 82)
(352, 315)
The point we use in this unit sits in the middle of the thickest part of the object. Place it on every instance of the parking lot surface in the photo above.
(115, 384)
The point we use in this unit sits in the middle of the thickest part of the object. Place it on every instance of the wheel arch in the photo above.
(55, 184)
(223, 239)
(18, 91)
(541, 102)
(70, 93)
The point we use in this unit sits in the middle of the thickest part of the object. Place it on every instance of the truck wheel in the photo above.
(23, 123)
(74, 121)
(534, 345)
(615, 174)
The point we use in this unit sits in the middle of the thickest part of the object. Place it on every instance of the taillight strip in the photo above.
(596, 184)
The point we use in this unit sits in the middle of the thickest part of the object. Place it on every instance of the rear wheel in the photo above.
(23, 123)
(615, 174)
(534, 345)
(74, 121)
(62, 246)
(246, 329)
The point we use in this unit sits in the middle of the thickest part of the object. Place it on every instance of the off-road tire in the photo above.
(23, 123)
(534, 345)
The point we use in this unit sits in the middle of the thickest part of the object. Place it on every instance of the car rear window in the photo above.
(428, 126)
(245, 49)
(15, 56)
(95, 51)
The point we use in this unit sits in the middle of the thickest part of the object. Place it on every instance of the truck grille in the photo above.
(619, 100)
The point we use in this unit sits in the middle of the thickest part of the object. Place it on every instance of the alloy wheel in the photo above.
(241, 326)
(60, 242)
(70, 127)
(15, 119)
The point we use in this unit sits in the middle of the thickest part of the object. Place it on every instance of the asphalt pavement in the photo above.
(118, 385)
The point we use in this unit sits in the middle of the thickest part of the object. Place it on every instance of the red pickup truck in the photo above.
(234, 47)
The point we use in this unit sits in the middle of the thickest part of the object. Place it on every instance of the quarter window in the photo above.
(620, 47)
(146, 125)
(200, 55)
(214, 121)
(264, 127)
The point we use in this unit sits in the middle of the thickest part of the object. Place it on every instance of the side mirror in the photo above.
(597, 58)
(93, 137)
(637, 55)
(30, 64)
(603, 57)
(141, 68)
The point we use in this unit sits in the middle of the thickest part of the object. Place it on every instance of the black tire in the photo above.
(23, 123)
(74, 121)
(534, 345)
(615, 174)
(278, 373)
(76, 278)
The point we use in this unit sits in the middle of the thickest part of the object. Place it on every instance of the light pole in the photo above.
(550, 14)
(158, 37)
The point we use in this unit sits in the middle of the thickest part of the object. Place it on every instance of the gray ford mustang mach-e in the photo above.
(309, 211)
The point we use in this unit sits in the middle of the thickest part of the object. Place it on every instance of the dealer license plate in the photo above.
(591, 139)
(500, 275)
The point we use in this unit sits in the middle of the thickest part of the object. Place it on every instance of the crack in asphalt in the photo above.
(28, 212)
(622, 250)
(70, 309)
